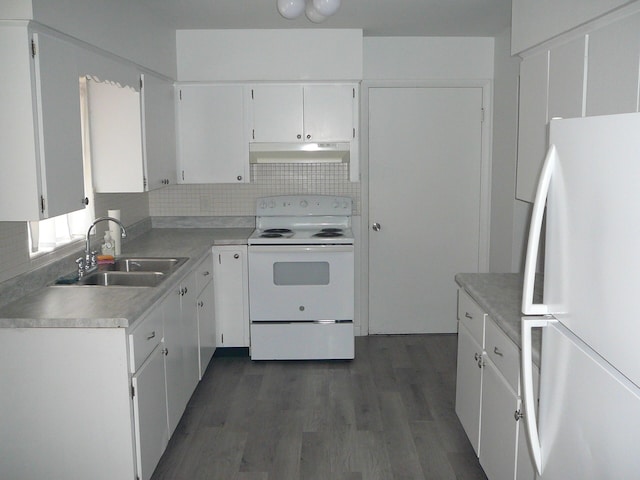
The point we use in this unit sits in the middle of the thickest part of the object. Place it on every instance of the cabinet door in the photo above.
(174, 359)
(231, 296)
(277, 113)
(612, 85)
(498, 427)
(189, 322)
(328, 113)
(58, 103)
(214, 147)
(469, 385)
(532, 124)
(158, 130)
(150, 413)
(206, 326)
(566, 79)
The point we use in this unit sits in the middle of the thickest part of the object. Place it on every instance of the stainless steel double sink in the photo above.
(132, 272)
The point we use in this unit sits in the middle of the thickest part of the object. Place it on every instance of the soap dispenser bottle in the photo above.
(108, 247)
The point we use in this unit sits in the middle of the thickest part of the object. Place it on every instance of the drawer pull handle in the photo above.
(498, 352)
(205, 273)
(468, 315)
(151, 335)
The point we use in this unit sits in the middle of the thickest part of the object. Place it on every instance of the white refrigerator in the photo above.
(586, 424)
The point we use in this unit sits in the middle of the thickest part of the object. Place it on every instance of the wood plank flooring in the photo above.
(387, 415)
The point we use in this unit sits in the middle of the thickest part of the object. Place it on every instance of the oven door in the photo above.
(301, 282)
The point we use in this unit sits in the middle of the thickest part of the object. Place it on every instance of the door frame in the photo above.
(485, 173)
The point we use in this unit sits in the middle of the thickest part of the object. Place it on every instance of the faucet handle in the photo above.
(81, 266)
(93, 260)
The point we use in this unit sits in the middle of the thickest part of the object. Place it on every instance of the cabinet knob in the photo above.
(518, 415)
(308, 137)
(165, 351)
(85, 201)
(299, 136)
(236, 256)
(239, 177)
(376, 227)
(201, 304)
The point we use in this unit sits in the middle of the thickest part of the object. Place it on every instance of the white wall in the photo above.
(121, 27)
(247, 55)
(504, 153)
(413, 58)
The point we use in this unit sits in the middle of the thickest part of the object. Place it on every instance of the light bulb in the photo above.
(313, 14)
(290, 9)
(326, 7)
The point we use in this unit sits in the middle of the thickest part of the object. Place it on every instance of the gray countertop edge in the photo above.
(500, 296)
(118, 307)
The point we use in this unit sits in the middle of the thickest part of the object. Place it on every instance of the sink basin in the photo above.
(147, 264)
(123, 279)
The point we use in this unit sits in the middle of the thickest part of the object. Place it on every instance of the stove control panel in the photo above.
(300, 205)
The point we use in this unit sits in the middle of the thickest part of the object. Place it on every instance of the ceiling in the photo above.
(374, 17)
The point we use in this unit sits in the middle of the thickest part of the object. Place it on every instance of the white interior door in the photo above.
(425, 152)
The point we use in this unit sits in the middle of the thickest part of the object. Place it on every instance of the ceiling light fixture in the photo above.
(316, 10)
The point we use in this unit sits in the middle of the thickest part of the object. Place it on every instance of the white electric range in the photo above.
(301, 278)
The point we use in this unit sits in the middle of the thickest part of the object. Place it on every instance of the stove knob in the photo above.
(304, 204)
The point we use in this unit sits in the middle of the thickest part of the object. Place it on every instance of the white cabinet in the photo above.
(488, 400)
(40, 137)
(148, 392)
(469, 365)
(181, 343)
(231, 295)
(532, 123)
(158, 130)
(213, 139)
(613, 68)
(303, 113)
(206, 312)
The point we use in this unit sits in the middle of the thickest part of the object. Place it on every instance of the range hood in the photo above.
(262, 152)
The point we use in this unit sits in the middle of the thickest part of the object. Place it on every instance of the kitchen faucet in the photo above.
(88, 262)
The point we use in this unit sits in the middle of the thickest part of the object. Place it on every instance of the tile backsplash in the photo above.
(266, 179)
(213, 200)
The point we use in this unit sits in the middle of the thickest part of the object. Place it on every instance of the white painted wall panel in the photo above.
(247, 55)
(406, 58)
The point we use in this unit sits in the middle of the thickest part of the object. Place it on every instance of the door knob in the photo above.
(376, 227)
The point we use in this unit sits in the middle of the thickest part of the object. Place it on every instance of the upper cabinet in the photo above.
(593, 73)
(614, 48)
(158, 130)
(212, 134)
(40, 133)
(132, 134)
(303, 113)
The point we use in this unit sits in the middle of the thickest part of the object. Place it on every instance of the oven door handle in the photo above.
(299, 248)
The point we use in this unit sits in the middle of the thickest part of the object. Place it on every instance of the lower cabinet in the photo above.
(206, 312)
(102, 403)
(231, 295)
(488, 400)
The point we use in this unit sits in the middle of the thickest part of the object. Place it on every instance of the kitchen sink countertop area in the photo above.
(500, 296)
(63, 306)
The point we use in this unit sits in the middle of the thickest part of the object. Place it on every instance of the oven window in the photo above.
(301, 273)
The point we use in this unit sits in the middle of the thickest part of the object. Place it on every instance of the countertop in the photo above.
(59, 306)
(500, 296)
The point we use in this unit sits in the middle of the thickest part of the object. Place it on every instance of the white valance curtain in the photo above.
(104, 69)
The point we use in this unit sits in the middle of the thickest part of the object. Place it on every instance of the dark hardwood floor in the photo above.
(388, 414)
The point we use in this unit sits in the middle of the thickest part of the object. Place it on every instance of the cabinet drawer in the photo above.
(471, 315)
(503, 353)
(147, 334)
(204, 273)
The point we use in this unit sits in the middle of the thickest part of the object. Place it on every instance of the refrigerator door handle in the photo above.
(528, 401)
(535, 230)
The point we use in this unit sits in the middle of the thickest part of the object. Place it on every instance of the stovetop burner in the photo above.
(328, 234)
(271, 235)
(331, 230)
(278, 230)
